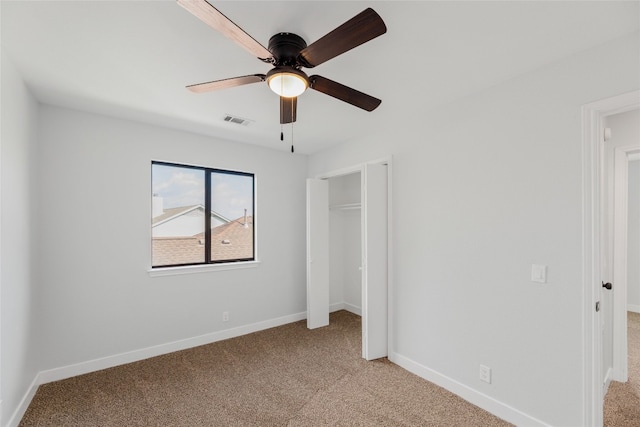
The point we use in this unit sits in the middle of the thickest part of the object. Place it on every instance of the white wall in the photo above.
(336, 261)
(95, 242)
(633, 242)
(482, 189)
(345, 243)
(18, 312)
(352, 253)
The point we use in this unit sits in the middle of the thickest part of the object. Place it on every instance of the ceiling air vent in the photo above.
(237, 120)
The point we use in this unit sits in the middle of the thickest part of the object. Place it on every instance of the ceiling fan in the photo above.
(288, 53)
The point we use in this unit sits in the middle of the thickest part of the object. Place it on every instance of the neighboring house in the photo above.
(233, 240)
(230, 241)
(181, 221)
(178, 236)
(177, 250)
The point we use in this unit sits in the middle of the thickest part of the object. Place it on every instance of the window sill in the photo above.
(191, 269)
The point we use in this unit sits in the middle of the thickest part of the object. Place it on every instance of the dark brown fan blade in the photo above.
(225, 83)
(288, 107)
(216, 20)
(363, 27)
(344, 93)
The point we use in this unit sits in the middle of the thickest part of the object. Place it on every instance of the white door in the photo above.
(606, 330)
(620, 253)
(606, 295)
(620, 141)
(317, 253)
(374, 252)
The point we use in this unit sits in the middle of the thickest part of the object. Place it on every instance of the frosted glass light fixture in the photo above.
(287, 81)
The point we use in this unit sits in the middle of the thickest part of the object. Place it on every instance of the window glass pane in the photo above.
(178, 215)
(231, 216)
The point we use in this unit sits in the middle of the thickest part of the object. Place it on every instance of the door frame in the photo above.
(360, 167)
(592, 208)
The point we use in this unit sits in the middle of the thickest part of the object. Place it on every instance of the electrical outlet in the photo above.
(225, 316)
(485, 374)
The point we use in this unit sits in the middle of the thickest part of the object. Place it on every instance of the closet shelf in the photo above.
(345, 206)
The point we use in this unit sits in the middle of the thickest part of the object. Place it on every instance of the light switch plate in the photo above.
(539, 273)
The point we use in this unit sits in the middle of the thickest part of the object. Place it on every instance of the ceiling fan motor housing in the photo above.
(286, 78)
(285, 48)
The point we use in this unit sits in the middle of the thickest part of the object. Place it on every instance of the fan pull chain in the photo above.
(281, 125)
(292, 125)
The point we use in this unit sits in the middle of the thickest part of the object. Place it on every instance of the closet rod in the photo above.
(345, 206)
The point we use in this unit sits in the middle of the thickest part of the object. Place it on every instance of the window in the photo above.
(201, 215)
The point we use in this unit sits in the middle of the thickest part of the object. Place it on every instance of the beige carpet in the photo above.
(285, 376)
(622, 402)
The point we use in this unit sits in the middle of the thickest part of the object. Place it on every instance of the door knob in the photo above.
(607, 285)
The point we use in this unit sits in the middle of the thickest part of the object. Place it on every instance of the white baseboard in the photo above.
(353, 309)
(607, 380)
(336, 306)
(81, 368)
(345, 306)
(469, 394)
(24, 404)
(633, 307)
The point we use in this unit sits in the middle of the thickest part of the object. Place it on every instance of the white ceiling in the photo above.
(133, 59)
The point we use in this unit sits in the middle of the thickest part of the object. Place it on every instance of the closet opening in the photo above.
(345, 244)
(347, 251)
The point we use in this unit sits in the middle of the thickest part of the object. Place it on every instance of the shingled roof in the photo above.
(177, 250)
(233, 240)
(230, 241)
